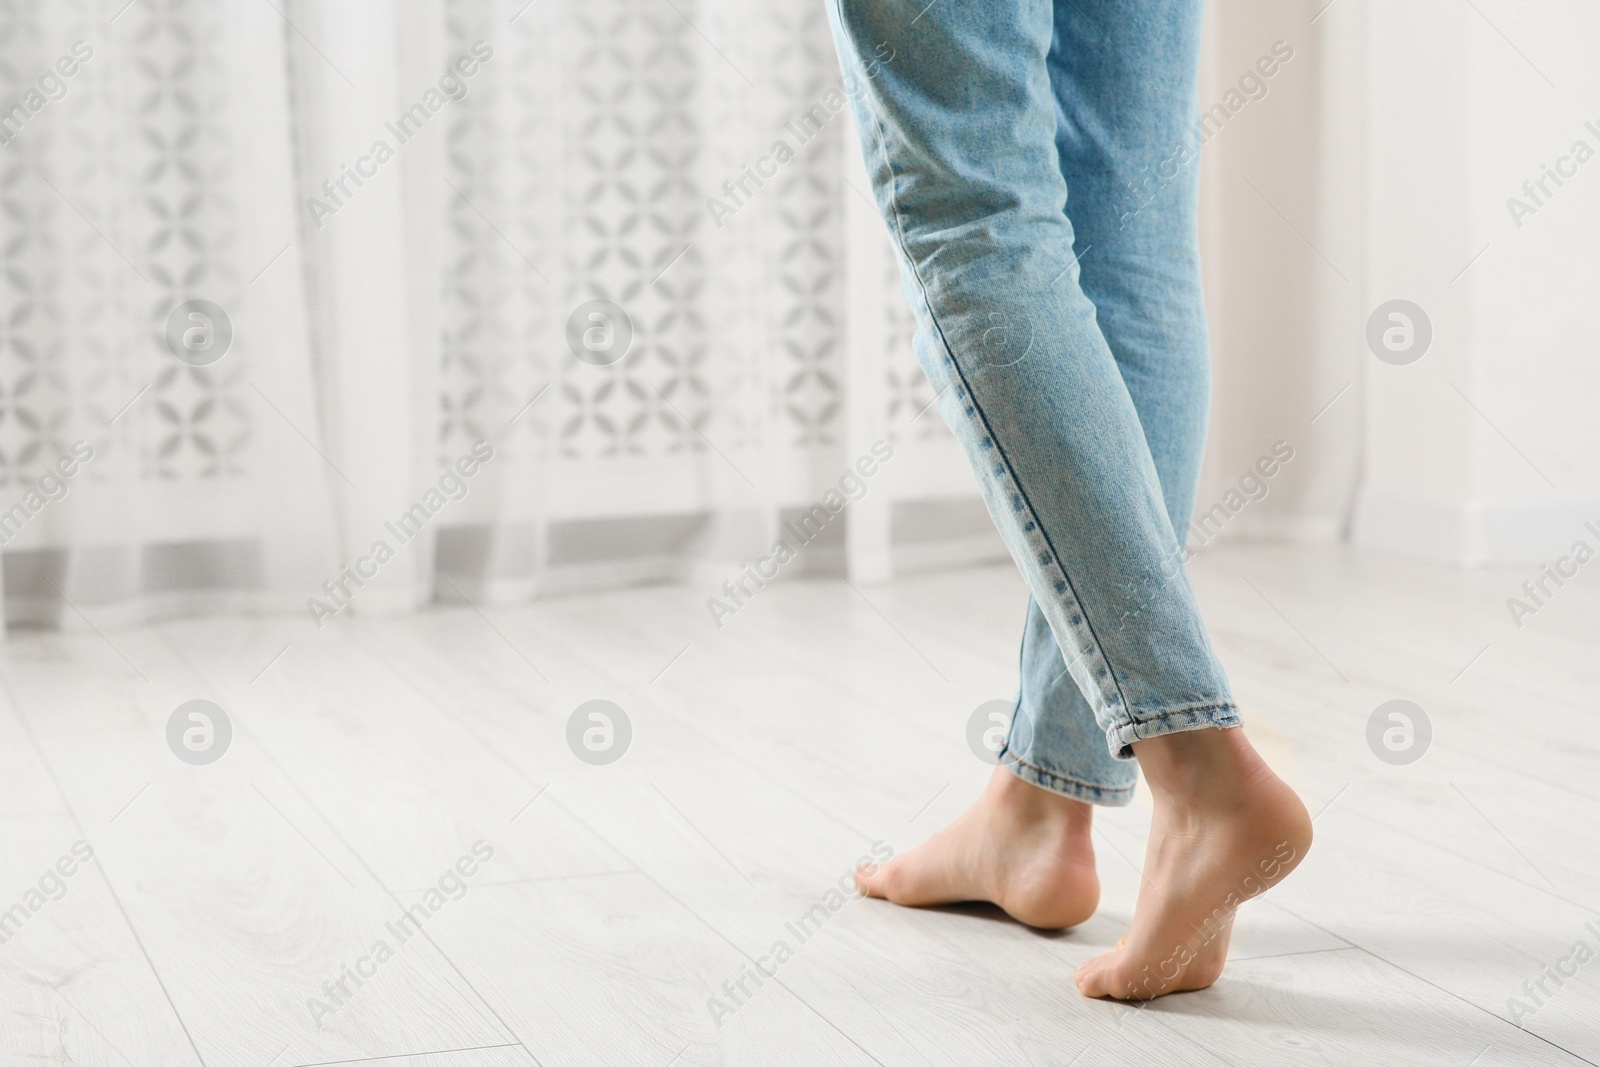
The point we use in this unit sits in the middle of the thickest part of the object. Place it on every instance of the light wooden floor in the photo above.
(766, 758)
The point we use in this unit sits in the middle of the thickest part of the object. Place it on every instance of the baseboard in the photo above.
(1473, 533)
(972, 550)
(1274, 529)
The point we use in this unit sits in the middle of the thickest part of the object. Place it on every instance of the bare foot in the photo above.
(1225, 829)
(1021, 847)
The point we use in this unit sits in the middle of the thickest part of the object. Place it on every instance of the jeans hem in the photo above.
(1105, 795)
(1203, 717)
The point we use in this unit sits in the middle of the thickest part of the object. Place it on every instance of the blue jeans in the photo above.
(1035, 165)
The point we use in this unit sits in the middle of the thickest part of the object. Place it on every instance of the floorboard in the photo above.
(566, 913)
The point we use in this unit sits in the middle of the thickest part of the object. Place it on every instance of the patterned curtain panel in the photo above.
(156, 378)
(354, 306)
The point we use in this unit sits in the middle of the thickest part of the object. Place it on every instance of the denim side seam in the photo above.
(1088, 792)
(1105, 680)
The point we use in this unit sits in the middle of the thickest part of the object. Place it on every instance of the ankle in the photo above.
(1199, 765)
(1027, 802)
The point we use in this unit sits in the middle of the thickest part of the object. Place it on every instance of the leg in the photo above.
(1225, 827)
(959, 129)
(1134, 191)
(1133, 210)
(959, 126)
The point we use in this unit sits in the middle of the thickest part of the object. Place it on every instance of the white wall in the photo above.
(1488, 451)
(1381, 161)
(1283, 266)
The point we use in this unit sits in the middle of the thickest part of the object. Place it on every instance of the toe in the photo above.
(909, 880)
(871, 878)
(1114, 974)
(917, 879)
(1091, 976)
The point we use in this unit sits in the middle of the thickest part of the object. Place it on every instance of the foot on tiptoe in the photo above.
(1225, 830)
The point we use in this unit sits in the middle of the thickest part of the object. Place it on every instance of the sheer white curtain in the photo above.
(398, 208)
(157, 171)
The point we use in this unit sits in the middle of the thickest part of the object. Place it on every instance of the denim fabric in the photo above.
(1066, 337)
